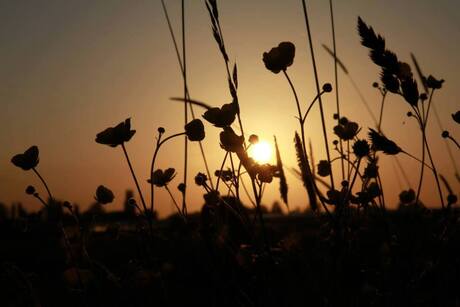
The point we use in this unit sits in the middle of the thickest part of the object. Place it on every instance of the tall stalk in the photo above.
(336, 81)
(323, 122)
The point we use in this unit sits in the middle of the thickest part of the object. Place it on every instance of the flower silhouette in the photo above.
(104, 195)
(432, 82)
(346, 130)
(456, 117)
(27, 160)
(195, 130)
(161, 178)
(407, 197)
(279, 58)
(361, 148)
(230, 141)
(222, 117)
(265, 172)
(381, 143)
(324, 168)
(117, 135)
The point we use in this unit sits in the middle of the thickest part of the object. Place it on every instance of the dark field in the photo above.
(409, 257)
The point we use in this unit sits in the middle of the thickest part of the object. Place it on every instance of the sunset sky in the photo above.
(70, 69)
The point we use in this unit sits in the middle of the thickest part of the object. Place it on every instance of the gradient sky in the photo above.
(69, 69)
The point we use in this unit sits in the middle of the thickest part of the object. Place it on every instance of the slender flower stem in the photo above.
(310, 106)
(382, 103)
(181, 213)
(302, 132)
(44, 183)
(184, 77)
(152, 165)
(134, 177)
(176, 48)
(323, 122)
(455, 141)
(336, 79)
(221, 168)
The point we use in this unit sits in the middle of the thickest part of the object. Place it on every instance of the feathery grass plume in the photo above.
(382, 143)
(307, 177)
(281, 175)
(395, 75)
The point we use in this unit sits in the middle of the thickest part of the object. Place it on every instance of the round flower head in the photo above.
(117, 135)
(200, 179)
(195, 130)
(324, 168)
(361, 148)
(279, 58)
(104, 195)
(456, 117)
(407, 197)
(327, 87)
(30, 190)
(26, 160)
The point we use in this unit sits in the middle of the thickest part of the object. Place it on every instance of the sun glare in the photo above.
(261, 152)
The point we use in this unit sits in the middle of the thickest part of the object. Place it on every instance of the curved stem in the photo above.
(323, 122)
(175, 203)
(152, 165)
(184, 77)
(221, 168)
(455, 141)
(182, 68)
(44, 183)
(310, 106)
(336, 80)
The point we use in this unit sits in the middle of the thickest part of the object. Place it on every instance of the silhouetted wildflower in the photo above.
(30, 190)
(324, 168)
(200, 179)
(27, 160)
(373, 190)
(195, 130)
(161, 178)
(279, 58)
(407, 197)
(451, 199)
(253, 139)
(445, 134)
(117, 135)
(371, 170)
(181, 187)
(456, 117)
(432, 82)
(104, 195)
(222, 117)
(327, 87)
(346, 130)
(265, 172)
(161, 130)
(361, 148)
(381, 143)
(225, 175)
(229, 141)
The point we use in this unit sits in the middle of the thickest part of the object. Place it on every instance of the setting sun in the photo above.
(261, 152)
